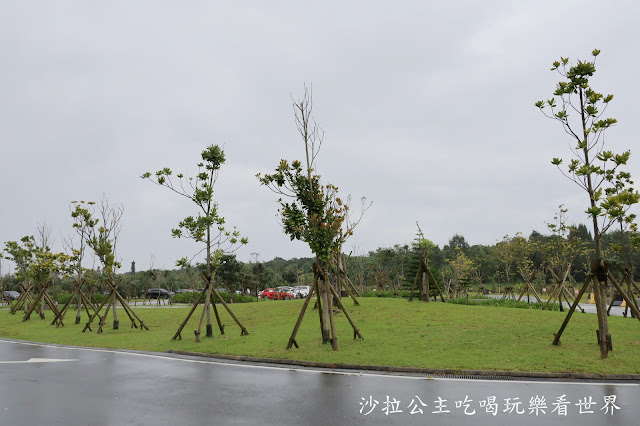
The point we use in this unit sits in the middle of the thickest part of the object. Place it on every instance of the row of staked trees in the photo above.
(386, 268)
(312, 211)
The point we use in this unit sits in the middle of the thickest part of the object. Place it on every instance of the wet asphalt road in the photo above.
(103, 387)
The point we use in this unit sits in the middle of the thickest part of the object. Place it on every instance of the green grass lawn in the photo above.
(396, 333)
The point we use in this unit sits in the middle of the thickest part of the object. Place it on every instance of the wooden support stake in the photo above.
(346, 285)
(50, 302)
(66, 306)
(599, 291)
(244, 331)
(319, 304)
(104, 317)
(131, 312)
(38, 299)
(556, 340)
(96, 313)
(195, 304)
(26, 294)
(207, 301)
(529, 287)
(415, 282)
(626, 298)
(356, 331)
(292, 339)
(436, 284)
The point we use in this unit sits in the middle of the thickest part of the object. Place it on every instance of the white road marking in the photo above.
(37, 360)
(310, 370)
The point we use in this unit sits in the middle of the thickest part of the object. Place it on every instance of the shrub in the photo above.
(243, 298)
(189, 297)
(184, 297)
(63, 298)
(501, 303)
(97, 298)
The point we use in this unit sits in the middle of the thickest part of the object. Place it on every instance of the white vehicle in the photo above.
(301, 291)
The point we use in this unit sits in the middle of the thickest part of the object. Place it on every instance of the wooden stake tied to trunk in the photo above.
(325, 294)
(39, 301)
(210, 295)
(113, 297)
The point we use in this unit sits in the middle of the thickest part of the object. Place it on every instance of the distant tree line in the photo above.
(455, 264)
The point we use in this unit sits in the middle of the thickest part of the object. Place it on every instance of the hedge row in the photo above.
(190, 297)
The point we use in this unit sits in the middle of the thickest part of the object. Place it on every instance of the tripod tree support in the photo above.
(208, 228)
(628, 299)
(99, 228)
(212, 295)
(83, 302)
(567, 318)
(42, 297)
(527, 287)
(313, 213)
(596, 170)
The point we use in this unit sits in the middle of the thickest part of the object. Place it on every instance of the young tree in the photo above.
(421, 248)
(99, 227)
(625, 243)
(560, 252)
(313, 213)
(523, 252)
(505, 251)
(76, 247)
(461, 270)
(22, 254)
(37, 266)
(45, 269)
(207, 228)
(579, 109)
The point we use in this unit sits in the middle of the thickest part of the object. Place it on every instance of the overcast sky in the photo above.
(427, 107)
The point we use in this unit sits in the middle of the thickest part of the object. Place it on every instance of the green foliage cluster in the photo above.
(596, 170)
(501, 303)
(309, 211)
(200, 190)
(227, 297)
(63, 298)
(312, 212)
(99, 237)
(392, 267)
(35, 263)
(185, 297)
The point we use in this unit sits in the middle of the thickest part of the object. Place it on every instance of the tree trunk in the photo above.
(116, 323)
(78, 307)
(41, 308)
(326, 307)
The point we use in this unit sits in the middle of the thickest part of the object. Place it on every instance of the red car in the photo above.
(275, 294)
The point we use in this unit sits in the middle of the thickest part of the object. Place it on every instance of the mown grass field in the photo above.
(396, 333)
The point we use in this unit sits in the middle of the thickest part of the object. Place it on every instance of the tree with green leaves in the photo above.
(460, 273)
(622, 248)
(523, 253)
(579, 109)
(312, 212)
(560, 253)
(76, 247)
(37, 266)
(207, 228)
(421, 248)
(99, 227)
(505, 252)
(45, 268)
(21, 253)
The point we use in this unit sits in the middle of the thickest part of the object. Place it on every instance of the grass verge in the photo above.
(396, 333)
